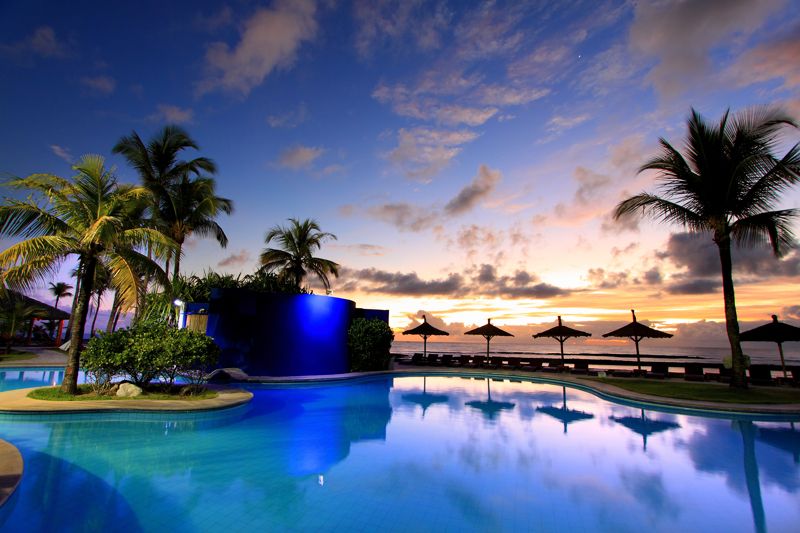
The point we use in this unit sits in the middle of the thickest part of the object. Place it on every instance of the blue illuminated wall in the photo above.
(280, 334)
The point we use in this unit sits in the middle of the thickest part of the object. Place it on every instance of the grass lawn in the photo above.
(85, 393)
(710, 392)
(16, 356)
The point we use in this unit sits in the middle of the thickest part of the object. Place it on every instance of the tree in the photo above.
(295, 258)
(60, 290)
(727, 186)
(89, 216)
(183, 196)
(190, 207)
(15, 312)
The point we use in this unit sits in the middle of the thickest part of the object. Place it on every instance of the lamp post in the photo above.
(181, 305)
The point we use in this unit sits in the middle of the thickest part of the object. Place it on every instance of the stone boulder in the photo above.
(128, 390)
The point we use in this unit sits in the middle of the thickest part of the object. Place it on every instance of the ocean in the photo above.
(761, 352)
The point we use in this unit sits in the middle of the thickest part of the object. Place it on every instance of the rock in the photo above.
(128, 390)
(226, 375)
(113, 390)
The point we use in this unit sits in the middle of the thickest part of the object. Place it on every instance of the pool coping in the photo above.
(16, 402)
(11, 468)
(603, 390)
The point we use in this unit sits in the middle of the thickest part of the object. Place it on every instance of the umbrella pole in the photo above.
(638, 360)
(425, 347)
(783, 362)
(561, 342)
(487, 347)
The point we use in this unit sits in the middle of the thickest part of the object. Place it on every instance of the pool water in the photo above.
(407, 453)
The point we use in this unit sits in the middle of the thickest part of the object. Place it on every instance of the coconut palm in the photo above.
(90, 217)
(727, 185)
(190, 207)
(295, 258)
(60, 290)
(183, 196)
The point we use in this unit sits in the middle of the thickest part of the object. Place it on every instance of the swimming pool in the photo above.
(401, 453)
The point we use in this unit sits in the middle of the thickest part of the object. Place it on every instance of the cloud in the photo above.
(424, 152)
(381, 22)
(792, 311)
(43, 43)
(100, 84)
(404, 216)
(454, 115)
(559, 123)
(489, 31)
(468, 197)
(603, 279)
(289, 119)
(680, 35)
(298, 157)
(360, 249)
(270, 40)
(773, 60)
(62, 152)
(215, 21)
(505, 95)
(545, 63)
(590, 185)
(698, 257)
(172, 114)
(237, 259)
(486, 282)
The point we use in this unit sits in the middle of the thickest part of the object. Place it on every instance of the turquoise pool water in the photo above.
(408, 453)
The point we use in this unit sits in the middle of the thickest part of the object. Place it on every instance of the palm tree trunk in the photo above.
(738, 377)
(78, 323)
(177, 267)
(114, 310)
(96, 311)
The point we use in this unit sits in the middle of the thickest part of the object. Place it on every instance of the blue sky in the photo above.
(467, 155)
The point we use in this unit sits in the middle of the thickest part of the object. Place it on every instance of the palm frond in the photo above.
(773, 227)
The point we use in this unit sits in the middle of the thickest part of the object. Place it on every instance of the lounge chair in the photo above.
(694, 372)
(447, 359)
(417, 359)
(531, 365)
(761, 375)
(658, 371)
(512, 363)
(795, 372)
(580, 367)
(553, 366)
(433, 359)
(464, 360)
(493, 363)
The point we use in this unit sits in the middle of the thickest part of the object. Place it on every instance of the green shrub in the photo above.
(369, 342)
(146, 351)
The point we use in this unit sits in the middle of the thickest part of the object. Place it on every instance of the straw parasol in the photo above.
(777, 332)
(561, 333)
(567, 416)
(487, 331)
(425, 399)
(425, 330)
(490, 408)
(644, 426)
(636, 331)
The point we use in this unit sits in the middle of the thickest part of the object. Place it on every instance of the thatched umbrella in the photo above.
(487, 331)
(636, 331)
(777, 332)
(644, 426)
(567, 416)
(425, 399)
(425, 330)
(490, 408)
(561, 333)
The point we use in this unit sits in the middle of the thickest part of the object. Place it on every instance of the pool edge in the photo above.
(11, 468)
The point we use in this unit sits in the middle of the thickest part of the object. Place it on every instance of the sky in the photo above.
(467, 155)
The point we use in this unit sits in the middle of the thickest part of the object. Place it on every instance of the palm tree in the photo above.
(727, 186)
(183, 196)
(90, 217)
(295, 260)
(189, 208)
(14, 313)
(60, 290)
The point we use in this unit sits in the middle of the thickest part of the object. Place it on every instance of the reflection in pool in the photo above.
(408, 453)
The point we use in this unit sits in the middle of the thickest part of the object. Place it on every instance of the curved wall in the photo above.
(280, 334)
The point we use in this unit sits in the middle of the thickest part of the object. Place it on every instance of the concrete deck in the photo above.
(17, 401)
(10, 470)
(44, 357)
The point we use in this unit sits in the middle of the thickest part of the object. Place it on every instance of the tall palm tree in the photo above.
(89, 216)
(727, 185)
(190, 207)
(183, 196)
(60, 290)
(295, 258)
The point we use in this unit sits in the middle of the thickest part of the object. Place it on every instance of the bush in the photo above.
(369, 342)
(147, 351)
